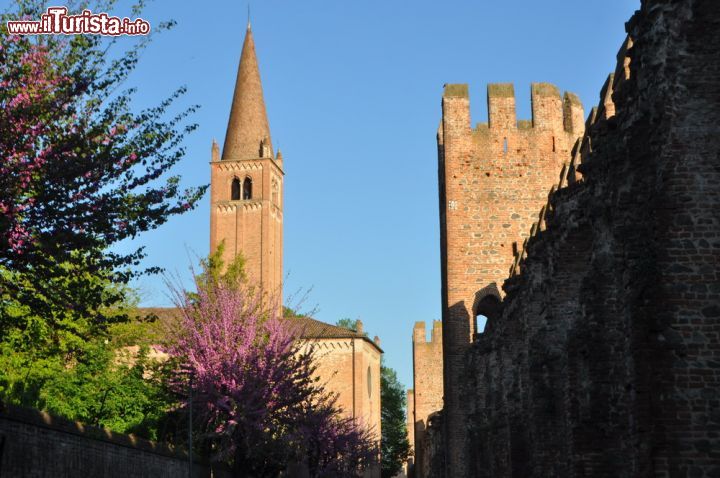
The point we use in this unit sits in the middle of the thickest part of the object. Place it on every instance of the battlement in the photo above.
(420, 333)
(582, 149)
(456, 90)
(550, 111)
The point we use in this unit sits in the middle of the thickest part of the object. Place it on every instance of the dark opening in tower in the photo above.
(235, 190)
(487, 310)
(247, 188)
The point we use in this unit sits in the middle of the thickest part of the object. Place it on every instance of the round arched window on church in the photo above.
(369, 382)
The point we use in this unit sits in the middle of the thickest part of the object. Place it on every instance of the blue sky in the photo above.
(353, 95)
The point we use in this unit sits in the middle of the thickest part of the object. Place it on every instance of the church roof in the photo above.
(309, 328)
(304, 327)
(162, 313)
(248, 124)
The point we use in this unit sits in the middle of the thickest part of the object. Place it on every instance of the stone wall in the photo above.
(493, 180)
(36, 444)
(603, 359)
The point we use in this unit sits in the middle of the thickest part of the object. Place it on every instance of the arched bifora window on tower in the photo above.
(247, 188)
(235, 190)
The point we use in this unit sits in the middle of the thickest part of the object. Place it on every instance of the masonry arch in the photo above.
(235, 190)
(247, 188)
(487, 307)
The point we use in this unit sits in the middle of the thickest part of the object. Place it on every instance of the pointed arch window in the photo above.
(235, 190)
(247, 188)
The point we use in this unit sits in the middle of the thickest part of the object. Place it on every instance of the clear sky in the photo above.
(353, 95)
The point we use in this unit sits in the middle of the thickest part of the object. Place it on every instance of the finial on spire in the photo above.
(248, 25)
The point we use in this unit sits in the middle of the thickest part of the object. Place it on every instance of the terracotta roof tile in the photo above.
(304, 327)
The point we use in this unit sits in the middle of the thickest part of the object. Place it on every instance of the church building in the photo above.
(246, 214)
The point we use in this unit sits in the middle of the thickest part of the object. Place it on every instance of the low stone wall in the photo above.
(36, 444)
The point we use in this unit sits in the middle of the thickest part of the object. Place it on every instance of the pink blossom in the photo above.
(254, 387)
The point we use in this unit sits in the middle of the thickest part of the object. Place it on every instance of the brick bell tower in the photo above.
(246, 182)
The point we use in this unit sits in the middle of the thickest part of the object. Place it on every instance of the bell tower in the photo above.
(246, 182)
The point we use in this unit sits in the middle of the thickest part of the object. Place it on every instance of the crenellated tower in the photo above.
(493, 180)
(246, 182)
(427, 389)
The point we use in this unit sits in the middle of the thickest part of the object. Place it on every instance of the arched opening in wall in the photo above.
(553, 144)
(247, 188)
(505, 145)
(487, 310)
(235, 190)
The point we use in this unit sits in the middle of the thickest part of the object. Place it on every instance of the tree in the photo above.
(394, 441)
(395, 444)
(79, 170)
(348, 323)
(81, 374)
(257, 400)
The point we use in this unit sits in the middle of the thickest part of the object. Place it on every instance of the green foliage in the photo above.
(75, 367)
(214, 271)
(348, 323)
(101, 390)
(79, 169)
(138, 330)
(395, 445)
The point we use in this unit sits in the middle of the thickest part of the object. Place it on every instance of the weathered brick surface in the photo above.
(494, 179)
(250, 224)
(35, 444)
(350, 368)
(604, 357)
(253, 226)
(428, 388)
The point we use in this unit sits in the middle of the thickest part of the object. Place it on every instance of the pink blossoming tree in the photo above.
(258, 404)
(79, 169)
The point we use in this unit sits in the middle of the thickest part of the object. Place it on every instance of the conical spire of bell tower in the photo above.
(248, 132)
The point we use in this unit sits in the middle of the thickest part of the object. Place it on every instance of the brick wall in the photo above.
(35, 444)
(350, 368)
(252, 227)
(602, 359)
(428, 387)
(494, 179)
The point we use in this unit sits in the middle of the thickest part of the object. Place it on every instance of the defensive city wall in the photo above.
(592, 252)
